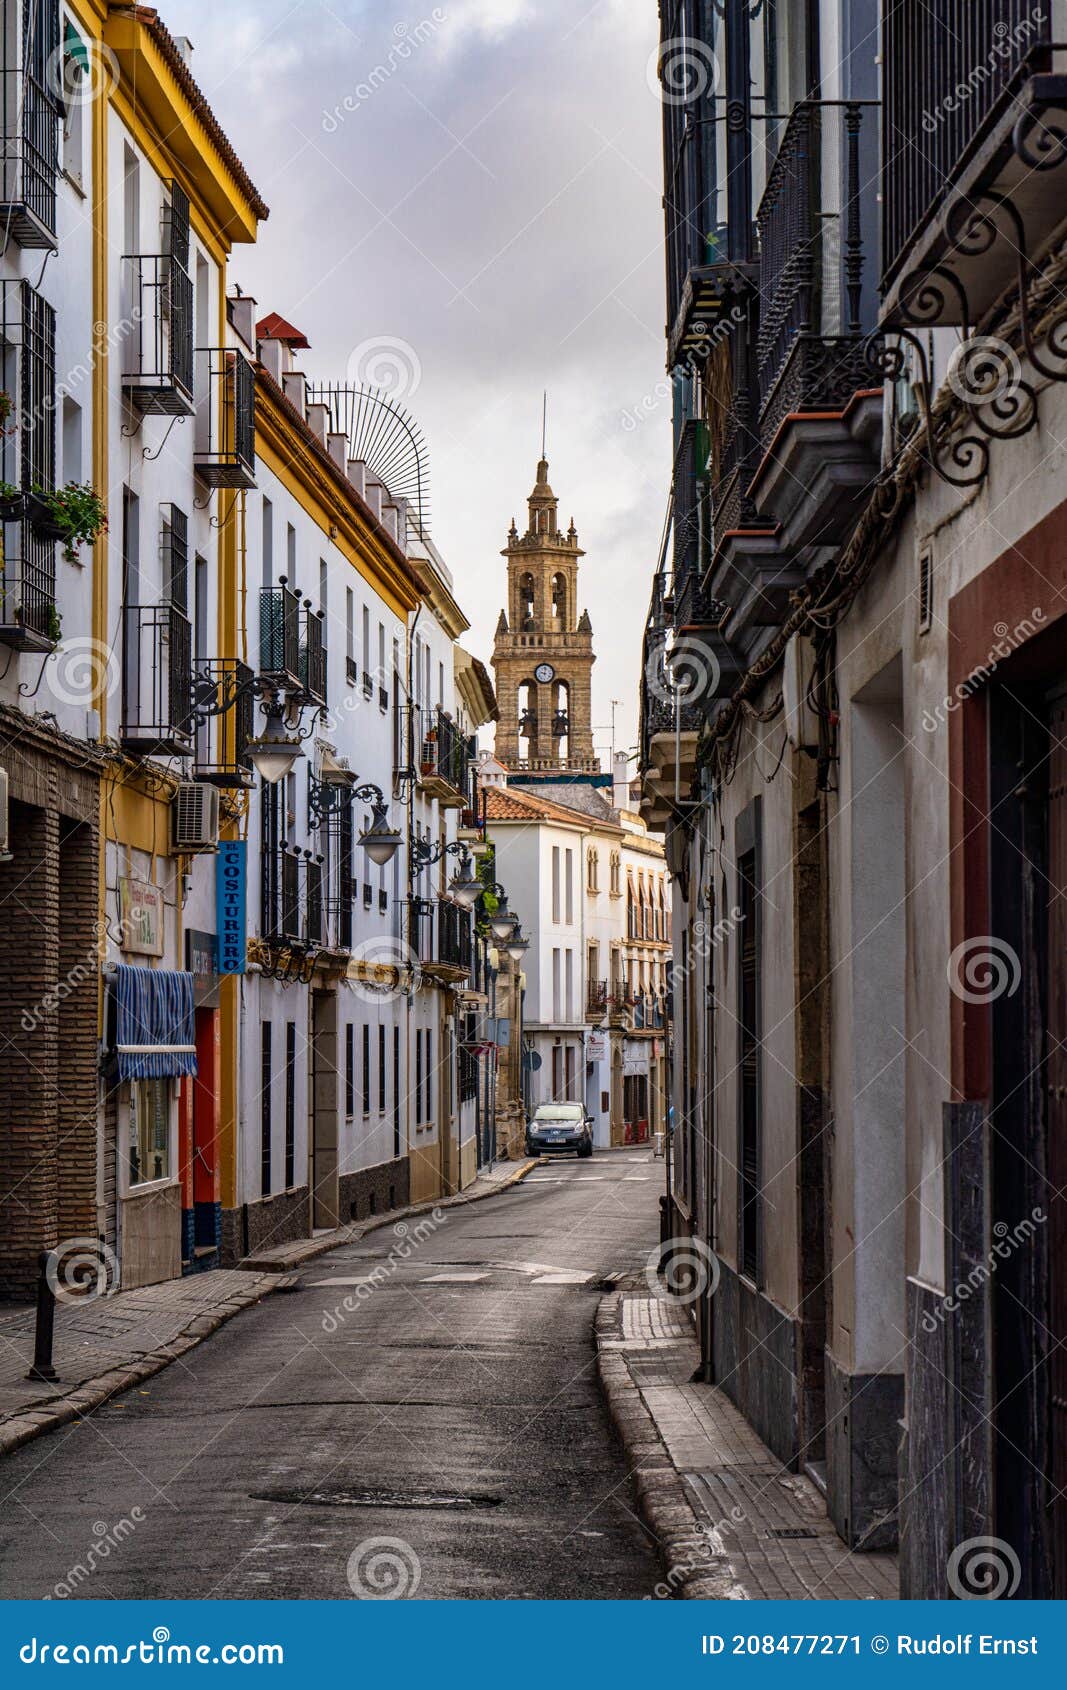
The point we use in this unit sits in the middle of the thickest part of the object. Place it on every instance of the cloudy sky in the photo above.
(465, 205)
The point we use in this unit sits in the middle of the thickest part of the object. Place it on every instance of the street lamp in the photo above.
(275, 752)
(464, 887)
(381, 841)
(502, 923)
(517, 945)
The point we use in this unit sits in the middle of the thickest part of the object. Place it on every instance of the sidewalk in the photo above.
(113, 1344)
(730, 1521)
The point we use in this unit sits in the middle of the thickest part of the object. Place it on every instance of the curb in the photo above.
(31, 1423)
(306, 1249)
(695, 1571)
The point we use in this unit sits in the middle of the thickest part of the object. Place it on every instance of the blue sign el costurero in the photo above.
(231, 887)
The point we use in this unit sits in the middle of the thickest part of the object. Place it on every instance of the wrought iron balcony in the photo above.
(279, 635)
(157, 347)
(446, 760)
(157, 700)
(224, 453)
(28, 618)
(443, 939)
(596, 1000)
(969, 89)
(29, 123)
(816, 224)
(313, 656)
(223, 685)
(282, 873)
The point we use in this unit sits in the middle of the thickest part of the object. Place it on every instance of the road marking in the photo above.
(454, 1278)
(636, 1179)
(564, 1278)
(366, 1279)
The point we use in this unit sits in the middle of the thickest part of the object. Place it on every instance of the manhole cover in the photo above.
(791, 1531)
(343, 1496)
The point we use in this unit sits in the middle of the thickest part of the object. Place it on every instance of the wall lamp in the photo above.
(464, 886)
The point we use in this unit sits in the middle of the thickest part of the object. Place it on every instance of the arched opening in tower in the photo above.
(527, 720)
(561, 720)
(559, 603)
(526, 602)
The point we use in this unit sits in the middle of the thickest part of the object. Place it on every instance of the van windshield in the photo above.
(559, 1112)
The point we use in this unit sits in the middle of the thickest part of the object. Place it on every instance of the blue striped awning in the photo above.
(154, 1037)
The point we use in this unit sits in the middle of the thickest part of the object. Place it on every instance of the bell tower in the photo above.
(543, 655)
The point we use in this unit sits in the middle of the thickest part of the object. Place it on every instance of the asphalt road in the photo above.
(451, 1407)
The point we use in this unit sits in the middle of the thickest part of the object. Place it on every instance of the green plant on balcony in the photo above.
(74, 515)
(11, 502)
(55, 625)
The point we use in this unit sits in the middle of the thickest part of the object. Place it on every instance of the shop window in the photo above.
(149, 1131)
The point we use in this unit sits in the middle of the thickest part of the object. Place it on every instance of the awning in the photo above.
(154, 1036)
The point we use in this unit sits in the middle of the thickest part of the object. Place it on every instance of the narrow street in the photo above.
(453, 1405)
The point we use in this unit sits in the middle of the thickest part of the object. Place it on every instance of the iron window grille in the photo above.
(157, 680)
(158, 347)
(279, 634)
(224, 451)
(27, 461)
(313, 656)
(29, 121)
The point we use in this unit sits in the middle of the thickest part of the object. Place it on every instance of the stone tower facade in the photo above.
(543, 656)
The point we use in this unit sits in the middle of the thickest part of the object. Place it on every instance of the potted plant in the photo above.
(55, 625)
(11, 502)
(75, 514)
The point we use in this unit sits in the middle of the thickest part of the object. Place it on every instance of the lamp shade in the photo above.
(274, 753)
(381, 840)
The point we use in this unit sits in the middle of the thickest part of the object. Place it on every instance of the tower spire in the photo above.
(544, 426)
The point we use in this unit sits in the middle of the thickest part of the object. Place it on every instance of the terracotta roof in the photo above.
(274, 327)
(513, 804)
(167, 45)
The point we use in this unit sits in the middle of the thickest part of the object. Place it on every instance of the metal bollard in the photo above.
(46, 1319)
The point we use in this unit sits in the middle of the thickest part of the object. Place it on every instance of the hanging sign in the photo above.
(231, 905)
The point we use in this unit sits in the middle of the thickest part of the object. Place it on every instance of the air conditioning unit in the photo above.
(5, 851)
(196, 816)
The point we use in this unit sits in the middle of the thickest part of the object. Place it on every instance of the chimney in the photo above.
(620, 792)
(270, 356)
(241, 308)
(391, 519)
(318, 419)
(357, 475)
(373, 496)
(337, 446)
(295, 384)
(184, 46)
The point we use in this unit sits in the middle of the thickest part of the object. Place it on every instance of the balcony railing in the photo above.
(157, 702)
(157, 347)
(29, 124)
(28, 619)
(281, 906)
(444, 937)
(313, 656)
(929, 54)
(224, 453)
(279, 635)
(596, 1000)
(223, 684)
(446, 758)
(817, 228)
